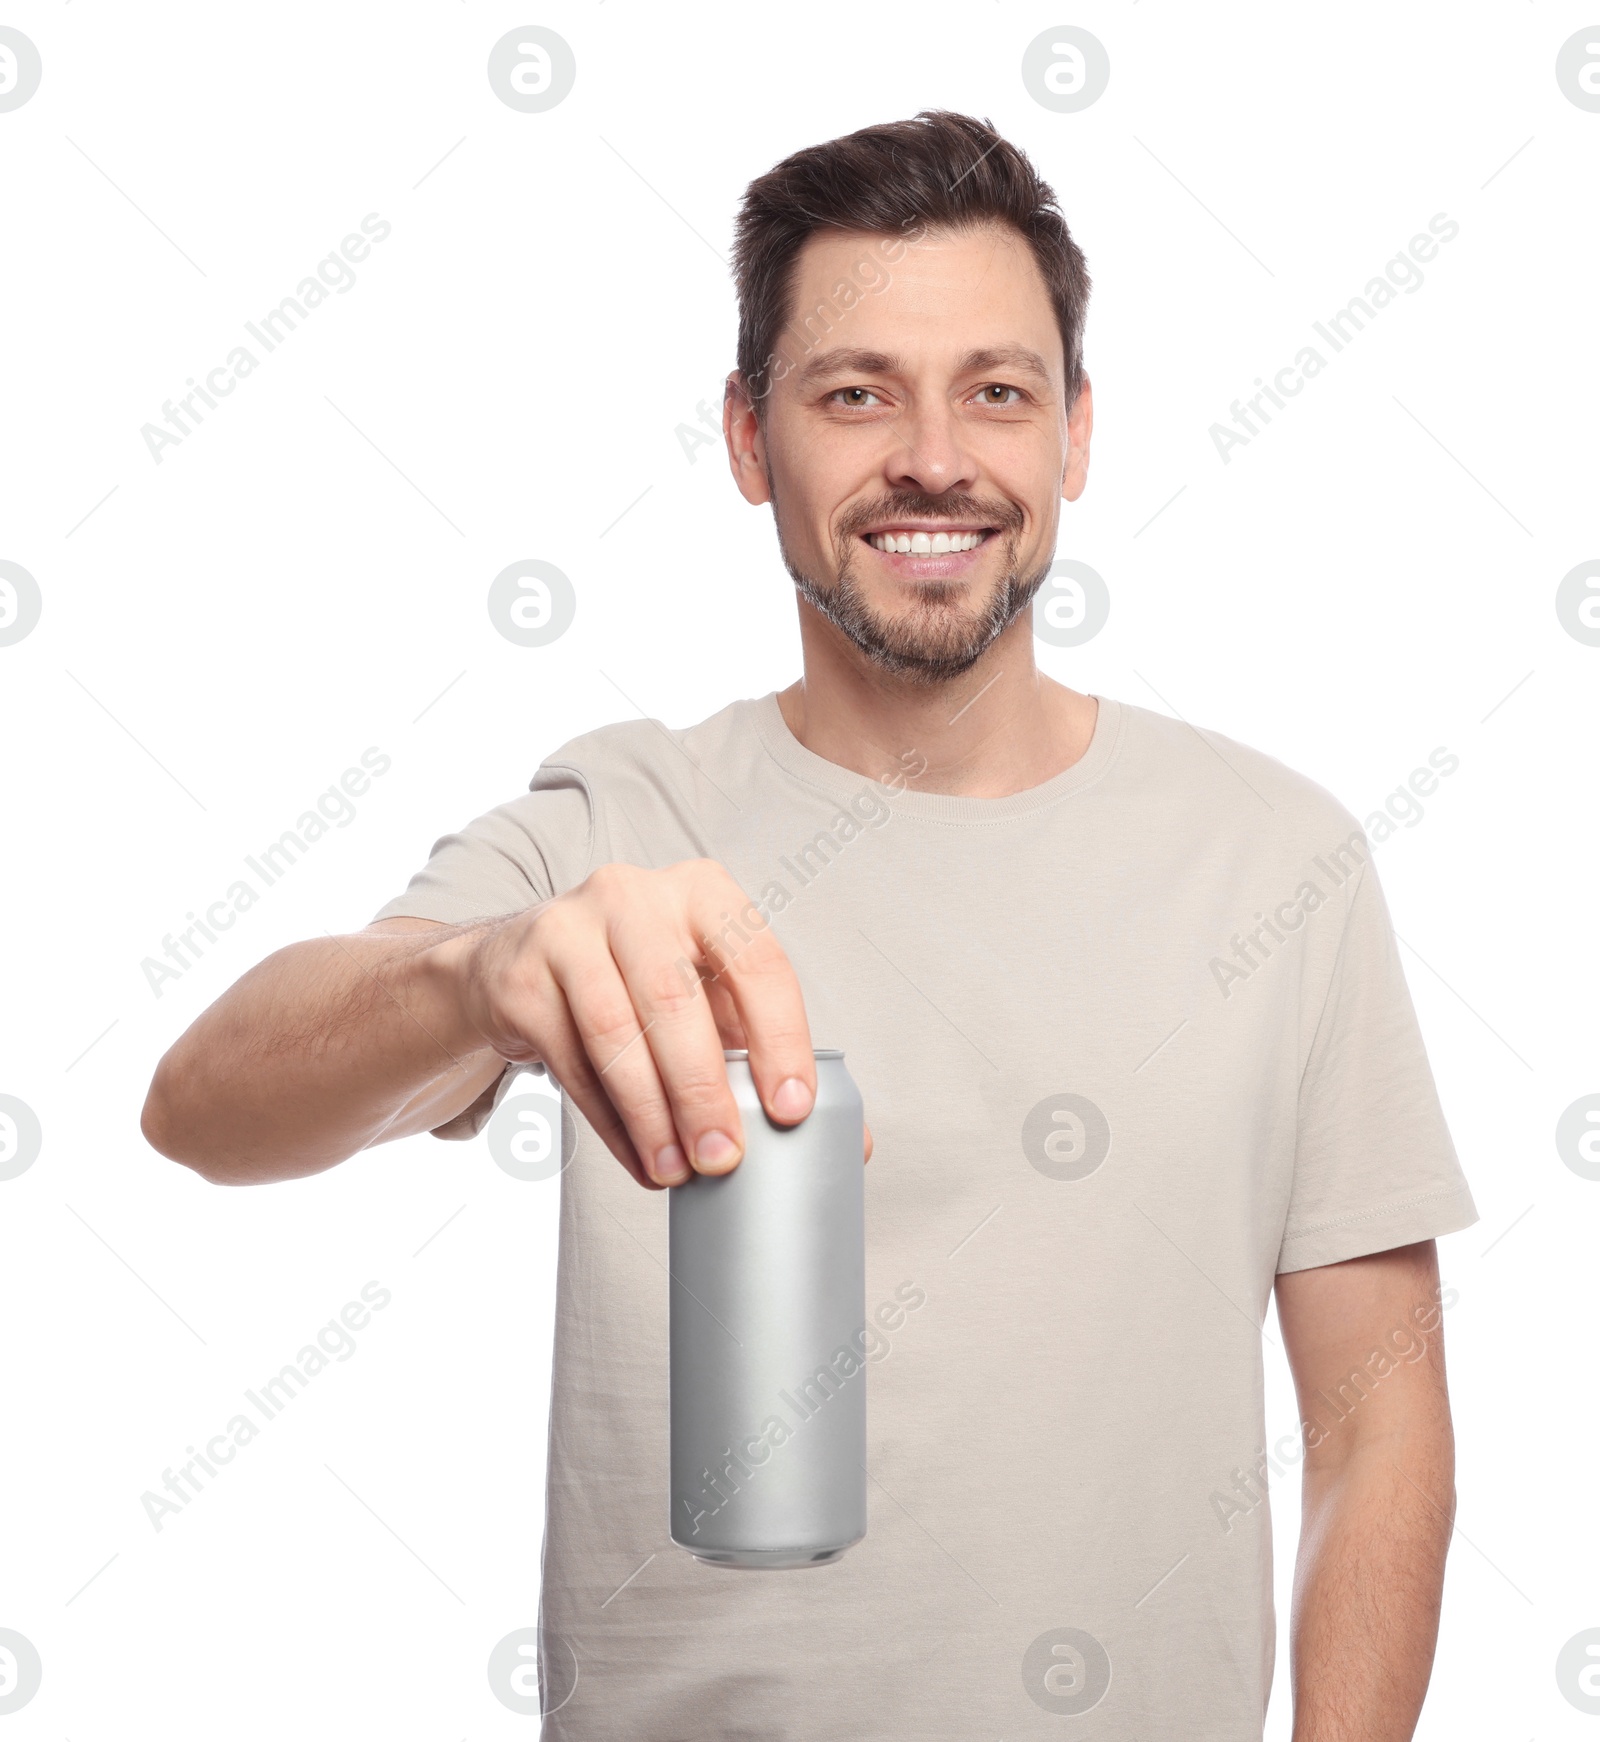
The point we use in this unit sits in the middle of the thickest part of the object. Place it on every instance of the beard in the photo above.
(937, 638)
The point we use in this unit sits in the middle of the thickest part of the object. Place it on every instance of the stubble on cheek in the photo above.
(928, 632)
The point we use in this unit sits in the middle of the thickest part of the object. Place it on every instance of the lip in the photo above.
(928, 526)
(949, 565)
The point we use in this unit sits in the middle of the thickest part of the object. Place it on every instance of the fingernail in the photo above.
(670, 1168)
(715, 1149)
(791, 1099)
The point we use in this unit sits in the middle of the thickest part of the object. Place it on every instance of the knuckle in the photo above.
(734, 894)
(612, 880)
(764, 958)
(670, 988)
(606, 1025)
(698, 871)
(646, 1125)
(548, 924)
(700, 1088)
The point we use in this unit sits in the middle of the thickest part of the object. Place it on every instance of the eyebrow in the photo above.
(851, 360)
(1019, 358)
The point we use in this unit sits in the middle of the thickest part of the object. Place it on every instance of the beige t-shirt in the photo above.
(1130, 1042)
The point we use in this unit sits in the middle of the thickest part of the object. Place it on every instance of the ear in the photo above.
(1080, 424)
(747, 443)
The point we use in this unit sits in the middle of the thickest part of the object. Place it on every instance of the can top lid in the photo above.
(821, 1052)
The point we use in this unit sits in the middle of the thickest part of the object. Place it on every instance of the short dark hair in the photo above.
(941, 170)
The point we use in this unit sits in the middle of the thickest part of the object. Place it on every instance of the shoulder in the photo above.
(649, 752)
(1226, 789)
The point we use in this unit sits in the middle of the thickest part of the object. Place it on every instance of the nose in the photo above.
(930, 453)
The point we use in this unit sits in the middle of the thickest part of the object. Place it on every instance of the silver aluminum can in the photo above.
(768, 1316)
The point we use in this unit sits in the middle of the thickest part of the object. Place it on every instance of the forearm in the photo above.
(323, 1049)
(1375, 1529)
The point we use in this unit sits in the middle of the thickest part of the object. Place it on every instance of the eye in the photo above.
(854, 396)
(986, 395)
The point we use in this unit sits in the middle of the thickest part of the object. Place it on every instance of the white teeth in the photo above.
(922, 544)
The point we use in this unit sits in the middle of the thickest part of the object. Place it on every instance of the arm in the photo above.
(325, 1048)
(1378, 1491)
(336, 1044)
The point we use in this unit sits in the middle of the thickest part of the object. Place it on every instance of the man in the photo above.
(1124, 1005)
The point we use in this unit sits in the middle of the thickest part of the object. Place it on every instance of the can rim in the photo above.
(820, 1052)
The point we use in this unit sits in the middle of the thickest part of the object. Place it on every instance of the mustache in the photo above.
(1005, 517)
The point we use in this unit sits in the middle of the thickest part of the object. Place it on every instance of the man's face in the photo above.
(917, 453)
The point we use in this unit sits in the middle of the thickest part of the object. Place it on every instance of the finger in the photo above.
(750, 963)
(653, 955)
(867, 1133)
(724, 1012)
(567, 1063)
(594, 1002)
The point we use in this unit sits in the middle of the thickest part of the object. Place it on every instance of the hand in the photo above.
(627, 989)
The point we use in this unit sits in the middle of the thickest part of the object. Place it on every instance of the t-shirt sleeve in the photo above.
(510, 858)
(1375, 1166)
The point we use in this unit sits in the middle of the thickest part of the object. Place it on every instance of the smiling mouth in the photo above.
(921, 542)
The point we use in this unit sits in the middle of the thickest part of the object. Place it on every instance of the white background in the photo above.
(305, 576)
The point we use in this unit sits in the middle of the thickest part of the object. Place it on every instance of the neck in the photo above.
(999, 728)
